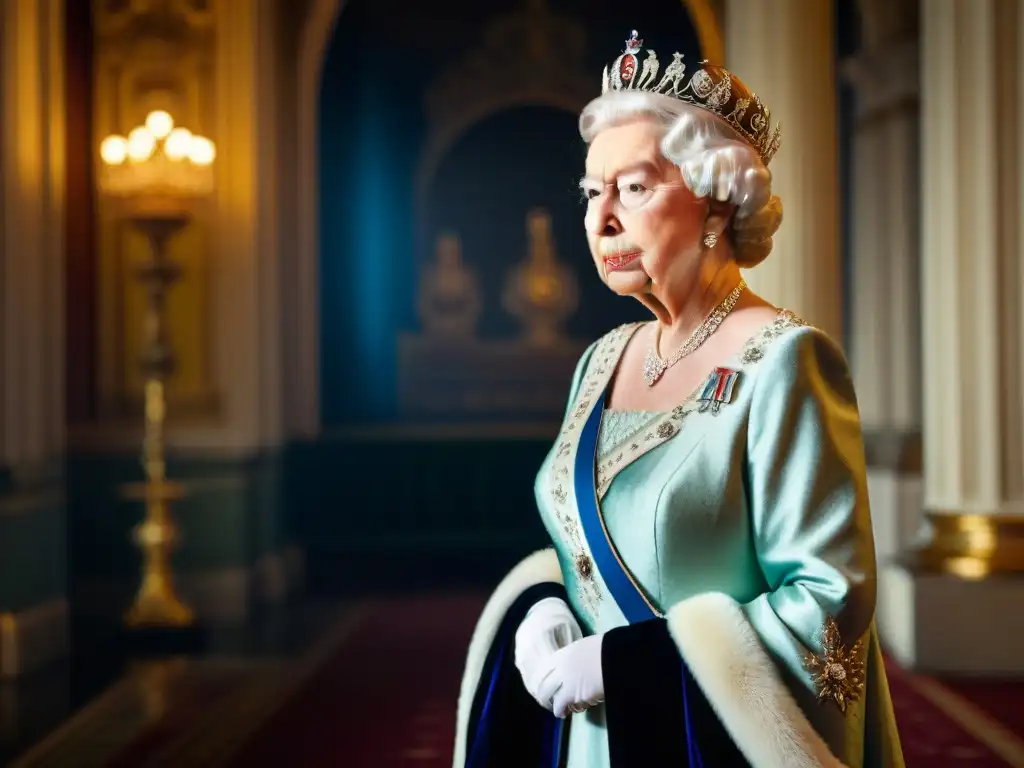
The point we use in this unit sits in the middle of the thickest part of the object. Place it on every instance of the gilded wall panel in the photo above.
(153, 54)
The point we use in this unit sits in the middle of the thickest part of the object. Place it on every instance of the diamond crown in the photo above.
(709, 87)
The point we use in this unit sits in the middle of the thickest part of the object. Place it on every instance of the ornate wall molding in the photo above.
(153, 54)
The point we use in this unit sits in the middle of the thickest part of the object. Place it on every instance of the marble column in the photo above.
(33, 614)
(885, 335)
(886, 300)
(972, 267)
(784, 50)
(953, 609)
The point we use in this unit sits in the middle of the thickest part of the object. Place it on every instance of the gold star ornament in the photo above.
(838, 673)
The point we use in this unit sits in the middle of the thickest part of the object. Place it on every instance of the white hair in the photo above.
(715, 161)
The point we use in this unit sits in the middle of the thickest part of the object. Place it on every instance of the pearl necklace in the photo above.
(655, 366)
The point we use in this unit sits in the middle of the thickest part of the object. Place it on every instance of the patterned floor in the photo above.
(378, 689)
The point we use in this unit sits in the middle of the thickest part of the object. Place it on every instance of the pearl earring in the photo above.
(710, 240)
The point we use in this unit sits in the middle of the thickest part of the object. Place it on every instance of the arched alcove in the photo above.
(363, 133)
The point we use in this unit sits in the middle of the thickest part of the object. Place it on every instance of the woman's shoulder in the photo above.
(787, 338)
(794, 354)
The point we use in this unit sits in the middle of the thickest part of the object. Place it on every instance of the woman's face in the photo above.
(643, 224)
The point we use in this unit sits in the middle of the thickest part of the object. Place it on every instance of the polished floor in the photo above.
(367, 683)
(101, 676)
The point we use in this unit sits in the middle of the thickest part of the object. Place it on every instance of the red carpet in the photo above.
(931, 739)
(1001, 701)
(387, 699)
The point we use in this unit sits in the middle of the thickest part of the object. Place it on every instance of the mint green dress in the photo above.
(748, 528)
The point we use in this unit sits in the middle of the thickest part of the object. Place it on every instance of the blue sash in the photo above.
(624, 590)
(606, 560)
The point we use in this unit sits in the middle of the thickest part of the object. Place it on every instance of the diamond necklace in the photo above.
(655, 367)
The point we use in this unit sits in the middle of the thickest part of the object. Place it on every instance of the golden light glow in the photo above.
(114, 150)
(141, 144)
(201, 151)
(178, 144)
(159, 123)
(158, 161)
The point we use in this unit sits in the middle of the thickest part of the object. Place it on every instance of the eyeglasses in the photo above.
(630, 195)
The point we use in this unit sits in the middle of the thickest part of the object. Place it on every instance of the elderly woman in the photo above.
(710, 596)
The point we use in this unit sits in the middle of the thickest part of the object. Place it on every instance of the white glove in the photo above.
(548, 626)
(575, 681)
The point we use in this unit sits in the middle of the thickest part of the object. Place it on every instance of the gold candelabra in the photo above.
(154, 179)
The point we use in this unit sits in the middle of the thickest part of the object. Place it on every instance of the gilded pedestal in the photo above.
(973, 546)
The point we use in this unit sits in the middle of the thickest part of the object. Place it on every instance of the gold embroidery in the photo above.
(838, 673)
(608, 351)
(754, 349)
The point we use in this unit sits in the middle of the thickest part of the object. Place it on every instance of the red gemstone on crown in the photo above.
(627, 68)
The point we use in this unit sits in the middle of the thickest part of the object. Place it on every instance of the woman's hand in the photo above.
(547, 627)
(575, 681)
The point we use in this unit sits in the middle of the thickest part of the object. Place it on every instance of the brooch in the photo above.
(838, 673)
